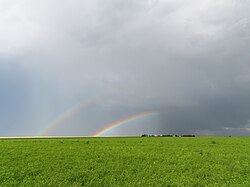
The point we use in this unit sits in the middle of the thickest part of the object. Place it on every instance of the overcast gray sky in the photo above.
(187, 61)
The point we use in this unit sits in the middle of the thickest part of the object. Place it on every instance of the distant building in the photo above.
(188, 135)
(167, 135)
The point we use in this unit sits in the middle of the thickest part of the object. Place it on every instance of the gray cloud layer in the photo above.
(187, 60)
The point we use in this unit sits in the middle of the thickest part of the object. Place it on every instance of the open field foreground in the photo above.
(153, 161)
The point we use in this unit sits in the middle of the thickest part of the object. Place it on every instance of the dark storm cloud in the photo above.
(212, 114)
(188, 61)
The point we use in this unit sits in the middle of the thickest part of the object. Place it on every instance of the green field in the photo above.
(151, 161)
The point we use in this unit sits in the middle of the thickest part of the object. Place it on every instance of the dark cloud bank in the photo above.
(188, 61)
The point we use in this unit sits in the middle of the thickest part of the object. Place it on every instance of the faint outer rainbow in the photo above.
(121, 122)
(68, 114)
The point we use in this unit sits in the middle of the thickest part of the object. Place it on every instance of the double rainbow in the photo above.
(70, 113)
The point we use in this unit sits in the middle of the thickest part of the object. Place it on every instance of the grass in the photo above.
(166, 161)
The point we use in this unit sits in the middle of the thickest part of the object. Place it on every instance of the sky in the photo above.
(75, 67)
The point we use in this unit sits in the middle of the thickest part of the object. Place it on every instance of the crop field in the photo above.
(149, 161)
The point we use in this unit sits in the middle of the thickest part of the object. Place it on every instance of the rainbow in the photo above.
(68, 114)
(121, 122)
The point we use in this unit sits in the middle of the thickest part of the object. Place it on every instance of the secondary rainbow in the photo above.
(70, 113)
(121, 122)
